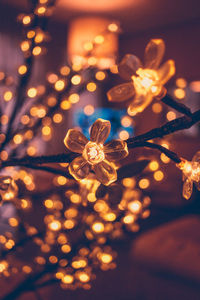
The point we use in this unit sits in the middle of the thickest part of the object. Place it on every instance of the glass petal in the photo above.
(116, 150)
(162, 93)
(196, 157)
(197, 184)
(100, 131)
(128, 66)
(166, 71)
(105, 172)
(79, 168)
(121, 92)
(154, 52)
(140, 102)
(75, 141)
(187, 188)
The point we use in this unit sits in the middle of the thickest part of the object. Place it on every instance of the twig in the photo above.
(180, 107)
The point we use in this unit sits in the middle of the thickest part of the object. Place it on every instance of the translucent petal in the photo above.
(162, 93)
(121, 92)
(105, 172)
(116, 150)
(128, 66)
(100, 131)
(197, 184)
(154, 52)
(75, 141)
(140, 102)
(187, 188)
(196, 157)
(79, 168)
(166, 71)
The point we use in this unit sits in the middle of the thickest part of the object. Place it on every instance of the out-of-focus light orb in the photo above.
(22, 69)
(68, 279)
(126, 121)
(164, 158)
(88, 46)
(157, 108)
(179, 93)
(154, 165)
(88, 109)
(64, 70)
(55, 225)
(65, 105)
(106, 258)
(99, 39)
(74, 98)
(59, 85)
(195, 86)
(171, 115)
(91, 86)
(32, 92)
(37, 50)
(123, 135)
(98, 227)
(181, 83)
(158, 175)
(7, 96)
(144, 183)
(76, 79)
(100, 75)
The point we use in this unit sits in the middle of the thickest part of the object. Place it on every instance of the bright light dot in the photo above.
(128, 219)
(135, 206)
(144, 183)
(179, 93)
(113, 27)
(61, 180)
(22, 69)
(46, 130)
(74, 98)
(41, 10)
(158, 175)
(195, 86)
(91, 86)
(181, 83)
(57, 118)
(25, 46)
(126, 121)
(84, 277)
(26, 20)
(55, 225)
(98, 227)
(37, 50)
(76, 79)
(67, 279)
(100, 75)
(157, 108)
(65, 70)
(114, 69)
(123, 135)
(32, 92)
(7, 96)
(59, 85)
(171, 115)
(106, 258)
(65, 105)
(89, 110)
(17, 139)
(164, 158)
(153, 165)
(99, 39)
(30, 34)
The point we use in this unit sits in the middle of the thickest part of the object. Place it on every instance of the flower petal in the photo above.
(187, 188)
(140, 102)
(121, 92)
(79, 168)
(75, 141)
(100, 131)
(128, 66)
(154, 52)
(116, 150)
(196, 157)
(105, 172)
(166, 71)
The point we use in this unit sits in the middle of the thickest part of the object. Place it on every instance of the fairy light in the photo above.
(91, 86)
(76, 79)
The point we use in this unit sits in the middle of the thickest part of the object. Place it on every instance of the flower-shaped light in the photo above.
(146, 80)
(191, 173)
(95, 155)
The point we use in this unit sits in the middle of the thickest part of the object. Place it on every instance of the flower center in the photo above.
(93, 153)
(146, 81)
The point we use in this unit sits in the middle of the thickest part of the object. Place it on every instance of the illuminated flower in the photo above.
(191, 173)
(95, 155)
(8, 188)
(147, 80)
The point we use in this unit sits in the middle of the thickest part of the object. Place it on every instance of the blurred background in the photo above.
(162, 260)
